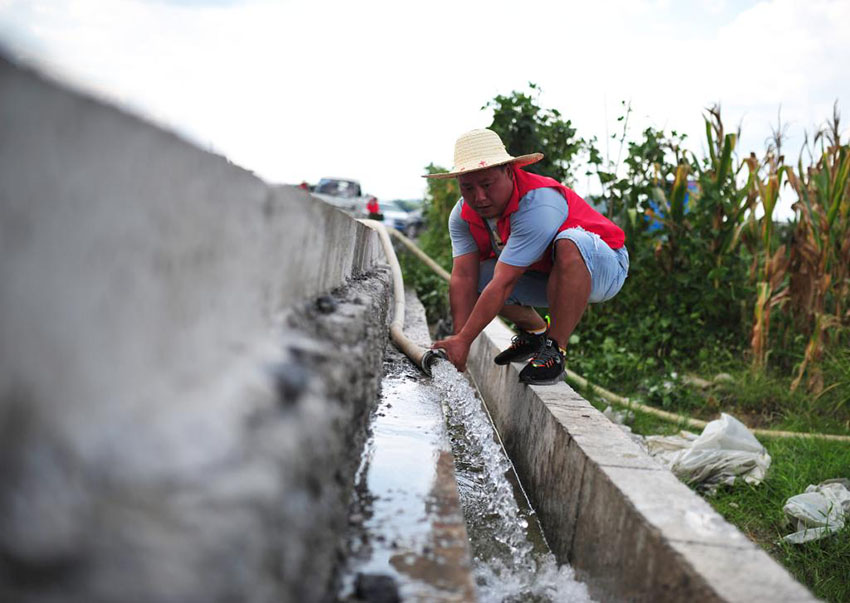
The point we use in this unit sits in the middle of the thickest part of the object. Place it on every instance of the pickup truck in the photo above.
(342, 193)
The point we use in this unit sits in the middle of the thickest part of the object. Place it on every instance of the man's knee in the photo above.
(568, 257)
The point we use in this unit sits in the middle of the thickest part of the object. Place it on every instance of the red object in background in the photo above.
(372, 206)
(304, 186)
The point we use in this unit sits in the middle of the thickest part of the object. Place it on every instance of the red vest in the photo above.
(580, 214)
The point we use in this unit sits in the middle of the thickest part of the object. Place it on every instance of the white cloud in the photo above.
(376, 90)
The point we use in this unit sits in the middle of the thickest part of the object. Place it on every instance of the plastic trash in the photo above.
(666, 449)
(820, 511)
(620, 417)
(724, 452)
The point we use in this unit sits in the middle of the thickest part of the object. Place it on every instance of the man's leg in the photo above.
(568, 291)
(530, 291)
(525, 317)
(578, 255)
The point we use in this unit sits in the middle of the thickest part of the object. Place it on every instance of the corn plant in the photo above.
(671, 214)
(719, 205)
(820, 255)
(770, 289)
(723, 202)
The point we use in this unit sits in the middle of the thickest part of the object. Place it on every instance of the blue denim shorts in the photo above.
(608, 271)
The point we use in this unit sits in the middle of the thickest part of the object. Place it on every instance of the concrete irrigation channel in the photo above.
(191, 362)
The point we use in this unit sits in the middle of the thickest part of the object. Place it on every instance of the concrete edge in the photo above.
(627, 525)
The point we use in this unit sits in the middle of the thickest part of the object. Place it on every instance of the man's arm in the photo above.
(489, 303)
(463, 288)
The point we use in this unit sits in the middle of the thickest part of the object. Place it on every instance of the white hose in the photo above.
(422, 357)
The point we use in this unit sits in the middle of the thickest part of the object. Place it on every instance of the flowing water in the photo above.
(394, 517)
(406, 538)
(511, 560)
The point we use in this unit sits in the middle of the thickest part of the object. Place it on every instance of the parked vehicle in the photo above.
(405, 215)
(342, 193)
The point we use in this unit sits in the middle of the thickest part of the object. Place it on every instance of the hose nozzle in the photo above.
(430, 357)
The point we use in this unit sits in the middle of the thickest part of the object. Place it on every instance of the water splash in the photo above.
(511, 559)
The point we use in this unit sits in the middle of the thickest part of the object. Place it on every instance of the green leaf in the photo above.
(677, 198)
(710, 141)
(840, 186)
(726, 157)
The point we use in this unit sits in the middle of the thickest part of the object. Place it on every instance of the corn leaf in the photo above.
(710, 140)
(677, 198)
(840, 185)
(726, 157)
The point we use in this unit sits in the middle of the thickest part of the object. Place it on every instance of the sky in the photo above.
(375, 91)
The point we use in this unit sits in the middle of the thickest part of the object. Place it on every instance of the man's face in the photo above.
(488, 191)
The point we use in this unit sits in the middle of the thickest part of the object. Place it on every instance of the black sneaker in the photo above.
(547, 366)
(523, 346)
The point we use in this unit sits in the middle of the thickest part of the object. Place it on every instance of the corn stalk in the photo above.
(820, 255)
(774, 263)
(672, 216)
(727, 204)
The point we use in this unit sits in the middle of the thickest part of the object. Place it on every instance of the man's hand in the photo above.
(456, 348)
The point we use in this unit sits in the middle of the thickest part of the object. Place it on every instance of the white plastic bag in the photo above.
(666, 449)
(620, 418)
(819, 511)
(723, 452)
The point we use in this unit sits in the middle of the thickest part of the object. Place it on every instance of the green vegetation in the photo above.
(434, 240)
(822, 565)
(525, 127)
(716, 286)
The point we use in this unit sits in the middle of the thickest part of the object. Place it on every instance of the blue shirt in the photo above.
(533, 228)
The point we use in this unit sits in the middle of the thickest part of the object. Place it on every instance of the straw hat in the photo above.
(481, 149)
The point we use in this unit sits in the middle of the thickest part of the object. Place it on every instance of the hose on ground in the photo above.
(422, 357)
(600, 391)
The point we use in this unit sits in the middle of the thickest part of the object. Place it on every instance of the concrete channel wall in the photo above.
(630, 529)
(188, 359)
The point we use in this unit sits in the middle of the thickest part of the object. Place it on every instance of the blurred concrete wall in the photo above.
(187, 356)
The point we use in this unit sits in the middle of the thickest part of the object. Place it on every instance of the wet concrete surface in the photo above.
(408, 540)
(438, 513)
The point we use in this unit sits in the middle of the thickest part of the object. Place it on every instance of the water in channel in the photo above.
(395, 499)
(511, 559)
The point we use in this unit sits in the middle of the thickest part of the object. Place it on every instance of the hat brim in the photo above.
(517, 161)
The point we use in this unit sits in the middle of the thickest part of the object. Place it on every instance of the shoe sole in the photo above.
(551, 381)
(517, 359)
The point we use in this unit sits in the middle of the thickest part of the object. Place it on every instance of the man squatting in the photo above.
(521, 241)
